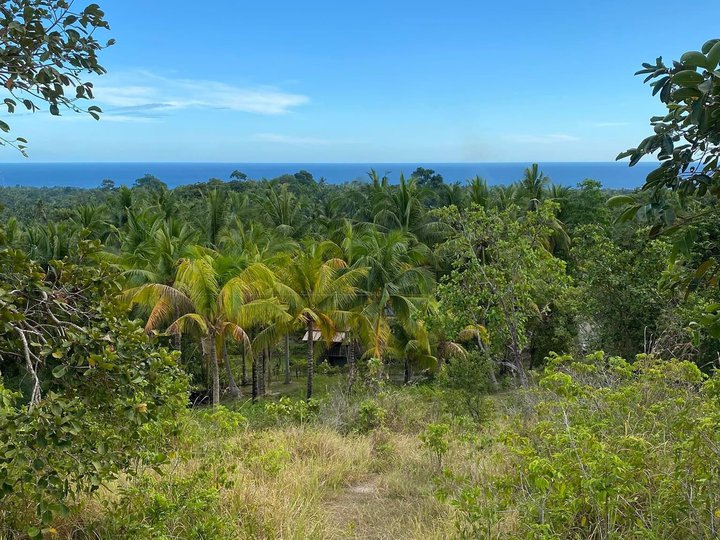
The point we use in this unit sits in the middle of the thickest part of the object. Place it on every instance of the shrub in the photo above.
(616, 450)
(287, 410)
(466, 380)
(370, 416)
(104, 397)
(435, 439)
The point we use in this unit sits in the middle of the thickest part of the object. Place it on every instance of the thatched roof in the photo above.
(339, 337)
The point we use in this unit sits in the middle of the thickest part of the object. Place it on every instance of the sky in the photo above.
(371, 81)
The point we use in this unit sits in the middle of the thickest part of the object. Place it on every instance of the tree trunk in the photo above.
(244, 381)
(406, 375)
(287, 358)
(233, 389)
(269, 366)
(261, 373)
(351, 365)
(310, 360)
(177, 339)
(214, 370)
(254, 370)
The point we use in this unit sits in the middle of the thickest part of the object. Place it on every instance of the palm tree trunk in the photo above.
(269, 366)
(287, 358)
(214, 370)
(261, 373)
(177, 338)
(244, 380)
(406, 375)
(310, 360)
(351, 364)
(233, 389)
(254, 370)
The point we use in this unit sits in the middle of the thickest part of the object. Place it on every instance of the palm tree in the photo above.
(478, 192)
(452, 195)
(505, 196)
(92, 220)
(411, 344)
(281, 210)
(317, 286)
(201, 301)
(152, 248)
(216, 216)
(533, 184)
(396, 287)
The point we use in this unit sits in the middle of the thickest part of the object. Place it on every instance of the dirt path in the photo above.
(367, 510)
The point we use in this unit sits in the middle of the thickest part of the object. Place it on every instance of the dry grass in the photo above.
(291, 482)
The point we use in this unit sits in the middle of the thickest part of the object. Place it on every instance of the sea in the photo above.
(90, 175)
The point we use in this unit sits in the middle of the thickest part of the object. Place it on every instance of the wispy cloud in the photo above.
(548, 138)
(290, 139)
(142, 94)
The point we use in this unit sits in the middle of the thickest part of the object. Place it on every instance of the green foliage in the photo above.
(621, 307)
(617, 450)
(435, 439)
(101, 399)
(287, 410)
(371, 415)
(467, 381)
(504, 276)
(168, 507)
(47, 47)
(686, 138)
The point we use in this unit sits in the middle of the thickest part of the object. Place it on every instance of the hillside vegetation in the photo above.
(287, 359)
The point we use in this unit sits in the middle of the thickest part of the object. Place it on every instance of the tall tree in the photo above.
(318, 286)
(200, 302)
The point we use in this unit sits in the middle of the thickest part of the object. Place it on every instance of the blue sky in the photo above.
(392, 80)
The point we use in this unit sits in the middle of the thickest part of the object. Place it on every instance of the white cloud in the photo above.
(549, 138)
(143, 94)
(289, 139)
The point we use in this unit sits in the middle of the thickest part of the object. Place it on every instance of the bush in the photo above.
(287, 410)
(166, 508)
(466, 380)
(370, 416)
(103, 399)
(616, 450)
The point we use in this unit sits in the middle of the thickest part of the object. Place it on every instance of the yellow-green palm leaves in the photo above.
(214, 299)
(319, 287)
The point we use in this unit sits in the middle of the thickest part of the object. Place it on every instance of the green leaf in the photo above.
(687, 77)
(704, 267)
(713, 57)
(59, 371)
(709, 44)
(686, 93)
(693, 58)
(33, 532)
(629, 214)
(620, 200)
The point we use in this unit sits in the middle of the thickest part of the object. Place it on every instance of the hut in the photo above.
(336, 353)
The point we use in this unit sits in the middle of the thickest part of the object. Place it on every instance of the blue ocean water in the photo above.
(87, 175)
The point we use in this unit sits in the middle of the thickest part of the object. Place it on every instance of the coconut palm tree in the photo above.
(203, 302)
(318, 286)
(533, 184)
(478, 192)
(452, 195)
(505, 196)
(216, 216)
(396, 288)
(281, 210)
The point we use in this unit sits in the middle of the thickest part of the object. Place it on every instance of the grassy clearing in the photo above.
(243, 473)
